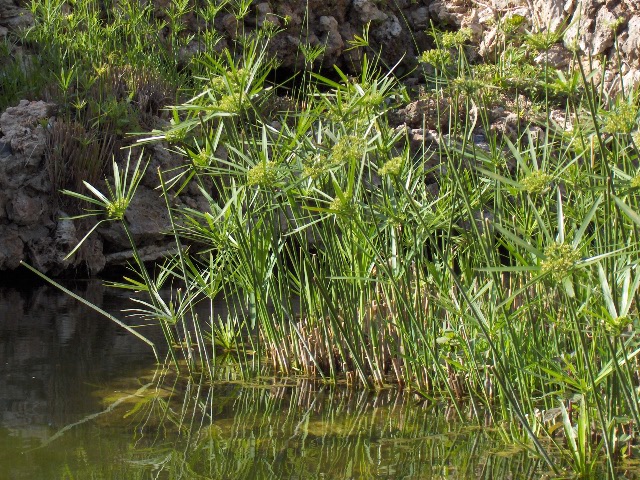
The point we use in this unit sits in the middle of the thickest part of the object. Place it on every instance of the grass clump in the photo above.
(368, 258)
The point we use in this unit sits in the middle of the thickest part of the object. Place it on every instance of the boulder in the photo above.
(24, 129)
(11, 247)
(13, 16)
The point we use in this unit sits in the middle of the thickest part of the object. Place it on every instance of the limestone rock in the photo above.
(23, 128)
(630, 43)
(13, 16)
(420, 18)
(11, 247)
(28, 208)
(149, 253)
(428, 113)
(604, 33)
(367, 11)
(265, 14)
(331, 38)
(449, 12)
(557, 57)
(551, 15)
(146, 217)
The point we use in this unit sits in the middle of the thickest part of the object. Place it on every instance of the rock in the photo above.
(390, 29)
(505, 123)
(604, 34)
(367, 11)
(23, 128)
(28, 208)
(65, 234)
(30, 226)
(561, 119)
(265, 14)
(557, 57)
(150, 253)
(449, 12)
(33, 232)
(146, 217)
(420, 139)
(630, 42)
(551, 15)
(331, 38)
(13, 16)
(92, 255)
(11, 247)
(487, 47)
(420, 18)
(44, 257)
(160, 157)
(230, 26)
(473, 23)
(578, 34)
(427, 113)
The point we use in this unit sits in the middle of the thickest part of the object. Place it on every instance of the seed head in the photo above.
(117, 209)
(263, 174)
(201, 159)
(174, 136)
(513, 23)
(392, 167)
(455, 39)
(615, 326)
(536, 182)
(314, 170)
(232, 103)
(621, 119)
(341, 205)
(560, 260)
(348, 148)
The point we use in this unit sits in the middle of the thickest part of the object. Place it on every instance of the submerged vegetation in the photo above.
(161, 427)
(500, 274)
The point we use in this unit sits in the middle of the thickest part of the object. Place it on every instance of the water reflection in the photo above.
(169, 429)
(51, 349)
(80, 398)
(303, 431)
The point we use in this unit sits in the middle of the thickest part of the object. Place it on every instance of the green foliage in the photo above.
(510, 279)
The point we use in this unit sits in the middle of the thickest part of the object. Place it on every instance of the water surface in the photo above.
(81, 398)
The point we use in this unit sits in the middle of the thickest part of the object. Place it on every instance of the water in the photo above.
(80, 398)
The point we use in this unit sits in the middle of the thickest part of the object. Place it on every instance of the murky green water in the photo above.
(81, 399)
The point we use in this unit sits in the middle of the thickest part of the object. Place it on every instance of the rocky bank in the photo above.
(33, 221)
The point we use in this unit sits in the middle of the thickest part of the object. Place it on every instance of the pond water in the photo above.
(80, 398)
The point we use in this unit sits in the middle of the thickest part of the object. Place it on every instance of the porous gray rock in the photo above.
(330, 37)
(425, 113)
(367, 11)
(146, 217)
(398, 30)
(14, 16)
(33, 228)
(449, 12)
(24, 129)
(11, 247)
(604, 31)
(265, 14)
(28, 208)
(552, 15)
(630, 42)
(556, 57)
